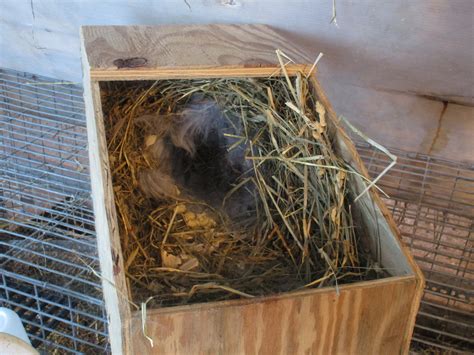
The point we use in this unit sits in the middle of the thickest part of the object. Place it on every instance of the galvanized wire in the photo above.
(432, 201)
(47, 238)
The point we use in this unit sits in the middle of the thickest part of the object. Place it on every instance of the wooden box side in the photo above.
(385, 239)
(364, 318)
(114, 284)
(383, 233)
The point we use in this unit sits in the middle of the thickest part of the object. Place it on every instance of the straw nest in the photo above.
(228, 188)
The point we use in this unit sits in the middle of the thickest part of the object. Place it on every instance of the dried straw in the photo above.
(302, 234)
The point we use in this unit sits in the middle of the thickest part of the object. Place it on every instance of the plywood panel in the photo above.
(142, 51)
(367, 319)
(108, 240)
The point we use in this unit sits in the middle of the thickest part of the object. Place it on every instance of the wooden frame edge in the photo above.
(118, 311)
(194, 72)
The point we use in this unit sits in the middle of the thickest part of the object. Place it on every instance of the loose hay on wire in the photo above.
(228, 188)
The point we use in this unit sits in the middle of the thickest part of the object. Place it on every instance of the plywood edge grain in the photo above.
(196, 72)
(415, 305)
(108, 242)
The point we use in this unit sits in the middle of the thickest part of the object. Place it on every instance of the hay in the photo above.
(296, 230)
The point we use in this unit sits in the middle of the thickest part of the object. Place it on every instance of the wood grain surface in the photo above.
(140, 52)
(368, 318)
(108, 240)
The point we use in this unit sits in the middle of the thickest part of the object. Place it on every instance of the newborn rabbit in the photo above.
(196, 156)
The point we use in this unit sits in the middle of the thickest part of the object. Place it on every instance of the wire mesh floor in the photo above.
(47, 239)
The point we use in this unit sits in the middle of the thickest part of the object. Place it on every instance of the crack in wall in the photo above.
(438, 127)
(35, 44)
(462, 100)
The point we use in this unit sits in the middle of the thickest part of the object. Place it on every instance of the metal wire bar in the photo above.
(93, 299)
(47, 239)
(432, 201)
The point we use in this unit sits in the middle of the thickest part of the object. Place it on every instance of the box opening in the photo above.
(189, 159)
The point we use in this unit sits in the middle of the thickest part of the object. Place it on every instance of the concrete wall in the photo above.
(387, 61)
(423, 46)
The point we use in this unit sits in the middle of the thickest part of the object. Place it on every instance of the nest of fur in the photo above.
(228, 188)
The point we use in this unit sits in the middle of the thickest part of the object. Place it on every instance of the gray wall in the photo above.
(422, 46)
(387, 64)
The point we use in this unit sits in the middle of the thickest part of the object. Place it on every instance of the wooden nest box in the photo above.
(370, 317)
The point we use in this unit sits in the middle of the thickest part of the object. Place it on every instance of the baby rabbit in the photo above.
(197, 154)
